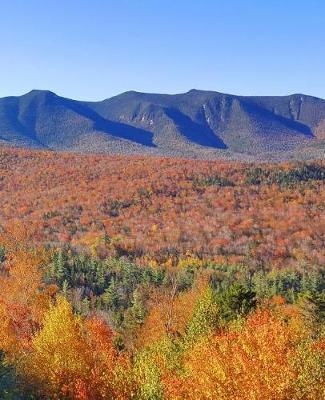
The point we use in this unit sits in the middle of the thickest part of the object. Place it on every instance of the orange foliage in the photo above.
(61, 354)
(23, 296)
(151, 206)
(73, 358)
(169, 315)
(260, 361)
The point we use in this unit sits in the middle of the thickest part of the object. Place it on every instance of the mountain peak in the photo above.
(201, 91)
(39, 92)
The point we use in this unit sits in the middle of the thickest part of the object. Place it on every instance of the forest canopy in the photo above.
(142, 278)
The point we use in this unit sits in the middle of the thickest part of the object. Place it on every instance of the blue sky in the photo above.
(94, 49)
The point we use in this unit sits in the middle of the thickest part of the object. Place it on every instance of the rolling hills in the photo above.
(269, 214)
(196, 124)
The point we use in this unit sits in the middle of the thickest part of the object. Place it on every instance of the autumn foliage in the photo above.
(270, 215)
(261, 360)
(56, 353)
(193, 344)
(152, 279)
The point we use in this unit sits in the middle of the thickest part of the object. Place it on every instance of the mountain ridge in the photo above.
(195, 124)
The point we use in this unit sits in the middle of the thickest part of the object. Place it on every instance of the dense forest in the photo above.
(152, 209)
(146, 278)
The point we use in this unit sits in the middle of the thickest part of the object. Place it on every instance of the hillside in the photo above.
(196, 124)
(268, 215)
(137, 277)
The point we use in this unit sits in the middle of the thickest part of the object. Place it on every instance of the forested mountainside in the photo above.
(162, 206)
(140, 278)
(196, 124)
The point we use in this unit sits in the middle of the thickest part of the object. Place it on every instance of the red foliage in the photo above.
(153, 206)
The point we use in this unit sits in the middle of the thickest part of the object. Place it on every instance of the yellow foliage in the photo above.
(59, 355)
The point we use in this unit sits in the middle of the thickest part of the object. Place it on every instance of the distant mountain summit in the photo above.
(202, 124)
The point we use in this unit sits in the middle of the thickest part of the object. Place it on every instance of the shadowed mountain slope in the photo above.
(198, 123)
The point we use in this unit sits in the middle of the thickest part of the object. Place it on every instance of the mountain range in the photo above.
(196, 124)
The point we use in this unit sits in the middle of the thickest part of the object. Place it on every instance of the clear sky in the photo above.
(94, 49)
